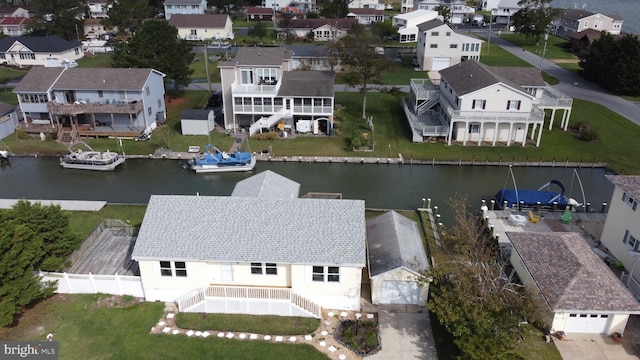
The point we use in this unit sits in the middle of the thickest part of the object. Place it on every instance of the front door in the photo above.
(227, 272)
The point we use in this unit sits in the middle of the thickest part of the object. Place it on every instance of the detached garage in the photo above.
(396, 256)
(197, 122)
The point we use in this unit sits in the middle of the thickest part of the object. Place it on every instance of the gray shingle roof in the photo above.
(39, 44)
(570, 275)
(6, 108)
(261, 56)
(195, 114)
(319, 51)
(103, 79)
(38, 79)
(428, 25)
(307, 83)
(211, 228)
(267, 184)
(469, 76)
(628, 183)
(198, 20)
(394, 241)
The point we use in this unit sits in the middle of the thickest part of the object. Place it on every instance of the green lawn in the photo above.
(84, 222)
(264, 324)
(494, 55)
(200, 71)
(557, 48)
(7, 96)
(98, 61)
(11, 73)
(88, 329)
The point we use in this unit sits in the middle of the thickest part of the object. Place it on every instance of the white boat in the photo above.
(90, 160)
(216, 161)
(4, 156)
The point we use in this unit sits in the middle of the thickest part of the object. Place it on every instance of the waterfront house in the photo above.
(503, 12)
(14, 26)
(94, 29)
(578, 20)
(366, 16)
(172, 7)
(459, 10)
(38, 50)
(202, 27)
(406, 6)
(260, 14)
(407, 24)
(260, 91)
(14, 12)
(91, 101)
(318, 29)
(366, 4)
(99, 9)
(476, 104)
(440, 47)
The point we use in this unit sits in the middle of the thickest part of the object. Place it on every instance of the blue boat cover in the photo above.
(531, 197)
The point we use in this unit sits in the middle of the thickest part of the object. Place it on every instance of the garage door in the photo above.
(441, 63)
(399, 292)
(587, 323)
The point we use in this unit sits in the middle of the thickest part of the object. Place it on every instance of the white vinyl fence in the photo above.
(93, 284)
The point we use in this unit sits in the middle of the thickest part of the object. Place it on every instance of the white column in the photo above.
(495, 135)
(566, 122)
(553, 115)
(481, 134)
(466, 133)
(539, 136)
(524, 136)
(451, 131)
(510, 134)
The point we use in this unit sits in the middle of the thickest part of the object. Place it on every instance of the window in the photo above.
(256, 268)
(147, 91)
(264, 268)
(630, 240)
(513, 105)
(100, 93)
(77, 51)
(586, 24)
(326, 273)
(629, 201)
(246, 76)
(2, 56)
(267, 76)
(433, 46)
(474, 129)
(435, 33)
(175, 268)
(122, 94)
(27, 56)
(194, 32)
(271, 269)
(149, 110)
(453, 46)
(448, 33)
(479, 104)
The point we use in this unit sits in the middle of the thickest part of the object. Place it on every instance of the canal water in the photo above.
(380, 185)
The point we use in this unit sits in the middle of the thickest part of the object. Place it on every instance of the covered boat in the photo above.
(214, 160)
(530, 198)
(90, 160)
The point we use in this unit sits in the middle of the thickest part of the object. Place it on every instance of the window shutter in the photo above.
(484, 104)
(518, 104)
(508, 104)
(626, 236)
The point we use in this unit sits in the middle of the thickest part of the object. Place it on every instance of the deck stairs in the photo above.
(267, 122)
(427, 105)
(66, 135)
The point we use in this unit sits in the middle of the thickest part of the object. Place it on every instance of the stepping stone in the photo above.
(308, 337)
(161, 323)
(324, 333)
(242, 336)
(328, 323)
(230, 335)
(278, 338)
(343, 314)
(175, 332)
(190, 333)
(330, 314)
(253, 336)
(267, 337)
(323, 343)
(220, 334)
(332, 348)
(170, 315)
(153, 329)
(205, 334)
(292, 339)
(166, 329)
(342, 356)
(370, 316)
(198, 333)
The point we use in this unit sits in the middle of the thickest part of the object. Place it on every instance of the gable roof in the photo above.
(628, 183)
(6, 108)
(416, 14)
(570, 276)
(52, 43)
(590, 35)
(261, 56)
(199, 20)
(38, 79)
(267, 184)
(12, 21)
(298, 83)
(195, 114)
(576, 14)
(342, 24)
(231, 228)
(428, 25)
(104, 79)
(469, 76)
(394, 241)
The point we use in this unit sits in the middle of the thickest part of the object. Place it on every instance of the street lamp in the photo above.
(544, 50)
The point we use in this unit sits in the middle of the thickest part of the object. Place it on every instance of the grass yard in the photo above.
(494, 55)
(88, 328)
(200, 71)
(263, 324)
(84, 222)
(98, 61)
(9, 73)
(557, 48)
(7, 96)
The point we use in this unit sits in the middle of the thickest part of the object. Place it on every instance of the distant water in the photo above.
(629, 10)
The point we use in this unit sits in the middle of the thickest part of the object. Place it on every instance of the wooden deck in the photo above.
(110, 254)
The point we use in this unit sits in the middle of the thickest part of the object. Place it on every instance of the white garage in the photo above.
(396, 256)
(587, 323)
(440, 63)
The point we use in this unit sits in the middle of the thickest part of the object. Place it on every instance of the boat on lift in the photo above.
(88, 159)
(216, 161)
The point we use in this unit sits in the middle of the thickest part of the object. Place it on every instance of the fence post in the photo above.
(119, 284)
(93, 283)
(66, 277)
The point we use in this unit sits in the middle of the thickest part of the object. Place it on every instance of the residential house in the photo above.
(14, 12)
(91, 101)
(267, 184)
(310, 57)
(203, 26)
(301, 6)
(396, 258)
(260, 14)
(487, 5)
(321, 29)
(38, 50)
(621, 232)
(188, 7)
(366, 16)
(366, 4)
(8, 119)
(503, 12)
(249, 256)
(584, 39)
(260, 91)
(14, 26)
(458, 8)
(582, 294)
(578, 20)
(439, 46)
(406, 6)
(407, 24)
(197, 122)
(96, 46)
(478, 104)
(99, 9)
(95, 30)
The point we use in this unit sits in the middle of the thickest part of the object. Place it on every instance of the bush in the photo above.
(21, 135)
(359, 140)
(266, 136)
(583, 131)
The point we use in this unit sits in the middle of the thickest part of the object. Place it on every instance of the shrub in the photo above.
(21, 135)
(349, 335)
(371, 340)
(266, 136)
(359, 140)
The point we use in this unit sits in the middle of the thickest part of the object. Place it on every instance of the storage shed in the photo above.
(197, 122)
(396, 256)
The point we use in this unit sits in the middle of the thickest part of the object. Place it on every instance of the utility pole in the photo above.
(206, 66)
(544, 50)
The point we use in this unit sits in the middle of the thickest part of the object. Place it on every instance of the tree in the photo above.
(258, 30)
(472, 294)
(444, 11)
(335, 9)
(32, 237)
(128, 14)
(534, 18)
(156, 45)
(364, 66)
(57, 17)
(383, 29)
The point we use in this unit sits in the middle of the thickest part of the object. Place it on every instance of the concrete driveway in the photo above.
(405, 333)
(593, 347)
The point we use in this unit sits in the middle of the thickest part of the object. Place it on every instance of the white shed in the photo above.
(396, 255)
(8, 120)
(197, 122)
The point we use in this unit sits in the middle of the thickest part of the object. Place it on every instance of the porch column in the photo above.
(553, 116)
(466, 133)
(481, 135)
(93, 119)
(510, 134)
(112, 122)
(533, 130)
(451, 131)
(539, 136)
(495, 134)
(524, 136)
(568, 115)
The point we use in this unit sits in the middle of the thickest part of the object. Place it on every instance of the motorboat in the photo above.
(88, 159)
(215, 161)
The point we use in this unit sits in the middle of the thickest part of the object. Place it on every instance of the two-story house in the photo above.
(95, 29)
(303, 6)
(458, 8)
(203, 26)
(14, 26)
(474, 103)
(14, 12)
(578, 20)
(319, 29)
(261, 91)
(504, 10)
(407, 24)
(99, 9)
(172, 7)
(260, 14)
(440, 47)
(406, 6)
(38, 50)
(91, 101)
(366, 16)
(366, 4)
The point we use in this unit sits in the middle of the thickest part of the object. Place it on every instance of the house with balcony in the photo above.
(578, 20)
(297, 6)
(94, 29)
(366, 16)
(188, 7)
(503, 12)
(366, 4)
(203, 27)
(458, 8)
(440, 47)
(406, 6)
(14, 26)
(261, 91)
(91, 102)
(474, 104)
(38, 50)
(319, 29)
(99, 9)
(268, 253)
(407, 24)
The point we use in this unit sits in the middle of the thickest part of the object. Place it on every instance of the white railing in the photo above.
(94, 284)
(190, 299)
(267, 122)
(258, 89)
